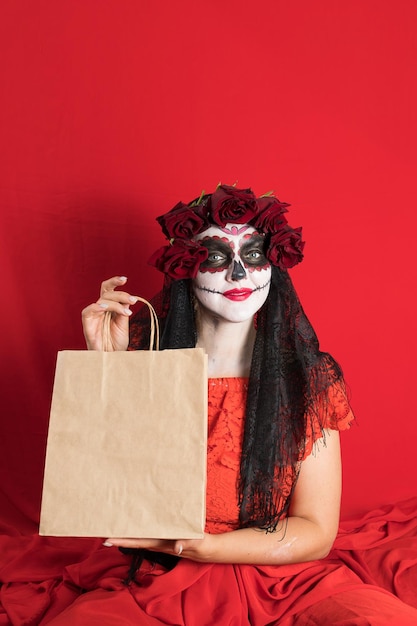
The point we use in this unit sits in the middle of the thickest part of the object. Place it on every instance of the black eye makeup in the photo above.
(220, 254)
(252, 252)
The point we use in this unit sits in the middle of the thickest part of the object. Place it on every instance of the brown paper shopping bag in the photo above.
(126, 450)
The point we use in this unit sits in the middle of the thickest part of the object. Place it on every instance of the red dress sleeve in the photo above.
(331, 411)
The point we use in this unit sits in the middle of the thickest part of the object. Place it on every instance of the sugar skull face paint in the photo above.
(234, 281)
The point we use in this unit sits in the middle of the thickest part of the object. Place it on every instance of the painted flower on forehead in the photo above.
(182, 221)
(229, 205)
(286, 248)
(181, 259)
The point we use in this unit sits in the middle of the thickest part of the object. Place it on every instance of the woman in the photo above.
(231, 279)
(276, 406)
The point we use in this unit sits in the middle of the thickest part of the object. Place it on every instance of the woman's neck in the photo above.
(229, 345)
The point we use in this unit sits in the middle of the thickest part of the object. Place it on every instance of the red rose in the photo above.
(232, 206)
(286, 248)
(271, 216)
(179, 260)
(182, 221)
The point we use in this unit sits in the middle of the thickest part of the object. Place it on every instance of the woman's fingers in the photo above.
(112, 283)
(115, 301)
(97, 309)
(159, 545)
(189, 548)
(118, 296)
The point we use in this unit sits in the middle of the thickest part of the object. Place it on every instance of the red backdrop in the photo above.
(113, 111)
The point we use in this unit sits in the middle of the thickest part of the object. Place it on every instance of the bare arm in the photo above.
(307, 534)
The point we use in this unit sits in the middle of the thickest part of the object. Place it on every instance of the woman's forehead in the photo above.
(233, 232)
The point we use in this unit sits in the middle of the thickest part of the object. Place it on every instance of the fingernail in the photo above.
(133, 300)
(104, 305)
(123, 278)
(127, 311)
(107, 544)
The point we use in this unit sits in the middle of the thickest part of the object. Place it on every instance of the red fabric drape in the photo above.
(372, 555)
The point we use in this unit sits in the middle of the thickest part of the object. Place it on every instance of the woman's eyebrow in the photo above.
(256, 241)
(216, 245)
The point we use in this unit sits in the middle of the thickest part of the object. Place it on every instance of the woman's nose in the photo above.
(237, 272)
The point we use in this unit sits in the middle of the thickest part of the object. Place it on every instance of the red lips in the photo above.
(238, 294)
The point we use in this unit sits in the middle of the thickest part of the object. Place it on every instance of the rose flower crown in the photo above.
(182, 257)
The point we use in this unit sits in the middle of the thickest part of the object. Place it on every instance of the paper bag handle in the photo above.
(154, 335)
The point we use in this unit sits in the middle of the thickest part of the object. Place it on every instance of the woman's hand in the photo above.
(194, 549)
(118, 303)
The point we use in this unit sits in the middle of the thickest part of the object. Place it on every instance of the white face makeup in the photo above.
(233, 283)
